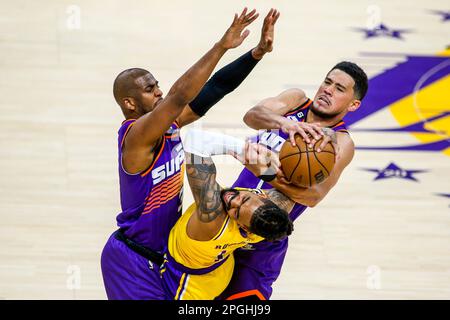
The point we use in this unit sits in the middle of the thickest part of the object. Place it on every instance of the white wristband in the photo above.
(206, 143)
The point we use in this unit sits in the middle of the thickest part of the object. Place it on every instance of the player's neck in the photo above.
(323, 122)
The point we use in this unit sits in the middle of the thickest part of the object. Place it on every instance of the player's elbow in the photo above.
(313, 199)
(310, 203)
(313, 202)
(250, 117)
(247, 118)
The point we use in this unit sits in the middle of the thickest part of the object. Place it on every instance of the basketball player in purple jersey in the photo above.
(151, 157)
(259, 265)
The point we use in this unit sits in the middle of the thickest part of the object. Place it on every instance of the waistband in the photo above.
(185, 269)
(145, 252)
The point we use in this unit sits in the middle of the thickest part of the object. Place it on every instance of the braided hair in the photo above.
(271, 222)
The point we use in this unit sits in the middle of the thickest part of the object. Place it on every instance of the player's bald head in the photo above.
(125, 84)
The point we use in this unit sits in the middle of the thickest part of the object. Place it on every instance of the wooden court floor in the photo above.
(385, 238)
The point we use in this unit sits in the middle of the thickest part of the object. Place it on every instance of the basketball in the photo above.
(304, 166)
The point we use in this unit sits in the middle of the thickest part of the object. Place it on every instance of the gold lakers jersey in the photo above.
(196, 255)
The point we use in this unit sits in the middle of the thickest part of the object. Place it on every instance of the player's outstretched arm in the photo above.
(232, 75)
(148, 129)
(199, 146)
(269, 114)
(201, 173)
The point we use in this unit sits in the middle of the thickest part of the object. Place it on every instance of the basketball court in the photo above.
(382, 233)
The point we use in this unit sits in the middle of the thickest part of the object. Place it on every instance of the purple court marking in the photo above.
(395, 84)
(394, 171)
(418, 127)
(382, 30)
(440, 145)
(445, 15)
(447, 195)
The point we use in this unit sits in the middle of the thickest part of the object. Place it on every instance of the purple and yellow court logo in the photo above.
(416, 92)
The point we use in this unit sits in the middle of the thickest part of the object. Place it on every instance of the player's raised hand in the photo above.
(236, 34)
(267, 34)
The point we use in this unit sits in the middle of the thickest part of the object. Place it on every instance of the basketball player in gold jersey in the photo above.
(198, 260)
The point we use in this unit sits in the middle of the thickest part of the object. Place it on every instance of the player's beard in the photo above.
(321, 114)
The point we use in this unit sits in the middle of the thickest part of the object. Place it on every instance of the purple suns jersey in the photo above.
(273, 140)
(151, 201)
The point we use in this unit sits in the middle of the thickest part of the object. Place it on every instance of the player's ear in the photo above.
(262, 195)
(354, 105)
(129, 104)
(259, 193)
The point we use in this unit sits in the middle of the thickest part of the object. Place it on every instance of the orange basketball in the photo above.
(304, 166)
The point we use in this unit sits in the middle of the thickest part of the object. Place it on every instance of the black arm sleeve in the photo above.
(223, 82)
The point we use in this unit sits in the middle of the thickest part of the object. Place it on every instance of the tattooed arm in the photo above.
(280, 199)
(201, 173)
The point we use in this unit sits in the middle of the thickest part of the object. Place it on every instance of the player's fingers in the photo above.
(269, 15)
(312, 143)
(249, 21)
(275, 160)
(237, 156)
(323, 143)
(243, 13)
(303, 135)
(253, 154)
(312, 130)
(277, 15)
(280, 173)
(284, 180)
(292, 137)
(270, 156)
(269, 160)
(262, 159)
(251, 14)
(259, 148)
(246, 152)
(260, 153)
(274, 13)
(244, 34)
(235, 19)
(267, 157)
(319, 130)
(258, 157)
